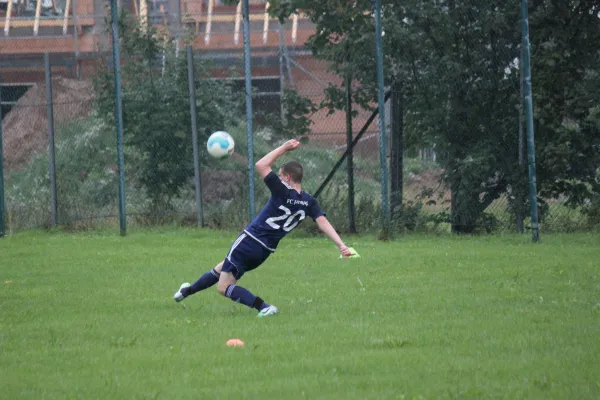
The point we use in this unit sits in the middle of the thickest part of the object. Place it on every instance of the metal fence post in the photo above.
(51, 147)
(519, 198)
(76, 38)
(2, 209)
(118, 114)
(350, 161)
(281, 75)
(249, 138)
(396, 149)
(385, 209)
(528, 100)
(193, 115)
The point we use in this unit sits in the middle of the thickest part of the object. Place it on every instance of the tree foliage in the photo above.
(566, 80)
(295, 121)
(156, 110)
(458, 63)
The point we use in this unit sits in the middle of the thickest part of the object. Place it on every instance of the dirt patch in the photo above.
(25, 127)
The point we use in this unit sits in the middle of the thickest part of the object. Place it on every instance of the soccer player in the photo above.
(286, 208)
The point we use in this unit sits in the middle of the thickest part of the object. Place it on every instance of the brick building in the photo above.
(75, 34)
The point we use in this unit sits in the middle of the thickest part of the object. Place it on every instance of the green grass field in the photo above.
(91, 316)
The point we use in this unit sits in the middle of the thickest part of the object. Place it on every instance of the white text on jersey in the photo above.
(292, 201)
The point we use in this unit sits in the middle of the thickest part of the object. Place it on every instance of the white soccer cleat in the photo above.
(178, 296)
(265, 312)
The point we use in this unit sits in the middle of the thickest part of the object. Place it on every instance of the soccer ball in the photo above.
(220, 144)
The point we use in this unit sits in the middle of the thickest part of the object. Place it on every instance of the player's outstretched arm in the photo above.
(329, 230)
(263, 166)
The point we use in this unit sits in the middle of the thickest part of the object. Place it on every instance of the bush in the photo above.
(86, 182)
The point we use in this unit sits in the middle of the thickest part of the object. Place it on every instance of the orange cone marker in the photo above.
(235, 342)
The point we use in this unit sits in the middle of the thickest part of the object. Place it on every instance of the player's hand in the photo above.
(346, 252)
(290, 145)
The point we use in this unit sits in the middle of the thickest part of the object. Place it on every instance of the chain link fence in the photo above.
(454, 116)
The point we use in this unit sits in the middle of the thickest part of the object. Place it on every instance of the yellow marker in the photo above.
(354, 253)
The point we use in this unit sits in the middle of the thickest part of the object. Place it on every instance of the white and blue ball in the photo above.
(220, 144)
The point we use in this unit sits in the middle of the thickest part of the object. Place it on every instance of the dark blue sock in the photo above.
(204, 282)
(242, 295)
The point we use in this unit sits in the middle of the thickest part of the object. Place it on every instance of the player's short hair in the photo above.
(293, 169)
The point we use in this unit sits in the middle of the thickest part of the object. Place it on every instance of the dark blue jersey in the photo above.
(283, 212)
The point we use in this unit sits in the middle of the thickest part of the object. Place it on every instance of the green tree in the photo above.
(458, 62)
(156, 111)
(465, 92)
(566, 82)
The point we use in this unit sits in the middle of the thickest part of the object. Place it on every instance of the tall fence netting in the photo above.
(456, 142)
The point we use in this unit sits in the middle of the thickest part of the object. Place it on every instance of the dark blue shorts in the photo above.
(245, 255)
